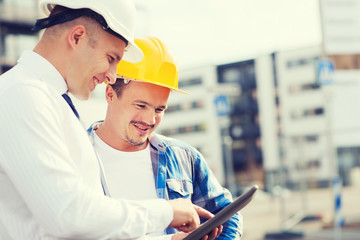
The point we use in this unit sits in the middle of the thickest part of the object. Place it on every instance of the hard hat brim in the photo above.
(155, 83)
(132, 53)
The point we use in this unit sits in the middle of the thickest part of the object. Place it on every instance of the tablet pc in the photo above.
(223, 215)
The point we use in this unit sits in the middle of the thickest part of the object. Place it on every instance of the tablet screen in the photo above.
(223, 215)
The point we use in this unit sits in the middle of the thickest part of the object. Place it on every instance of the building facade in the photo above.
(16, 20)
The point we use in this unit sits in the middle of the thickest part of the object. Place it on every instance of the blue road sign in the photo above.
(222, 105)
(325, 72)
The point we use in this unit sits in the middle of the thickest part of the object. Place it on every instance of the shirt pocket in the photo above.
(179, 188)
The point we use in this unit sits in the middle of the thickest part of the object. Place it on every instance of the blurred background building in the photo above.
(255, 118)
(16, 20)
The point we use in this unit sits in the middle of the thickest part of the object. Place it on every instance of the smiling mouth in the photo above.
(96, 82)
(142, 127)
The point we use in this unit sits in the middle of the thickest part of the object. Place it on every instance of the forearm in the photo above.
(162, 237)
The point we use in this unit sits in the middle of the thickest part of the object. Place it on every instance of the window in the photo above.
(189, 82)
(239, 72)
(298, 114)
(184, 129)
(301, 62)
(186, 106)
(303, 87)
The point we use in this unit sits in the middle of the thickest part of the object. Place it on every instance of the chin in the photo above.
(136, 143)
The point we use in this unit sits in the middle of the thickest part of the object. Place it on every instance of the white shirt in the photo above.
(49, 175)
(129, 175)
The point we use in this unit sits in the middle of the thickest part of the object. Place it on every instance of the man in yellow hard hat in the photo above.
(140, 164)
(51, 186)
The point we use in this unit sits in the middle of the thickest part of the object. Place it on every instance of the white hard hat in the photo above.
(119, 15)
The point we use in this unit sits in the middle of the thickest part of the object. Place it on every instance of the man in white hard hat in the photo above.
(140, 164)
(51, 183)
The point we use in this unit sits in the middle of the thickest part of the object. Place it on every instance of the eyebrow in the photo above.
(148, 104)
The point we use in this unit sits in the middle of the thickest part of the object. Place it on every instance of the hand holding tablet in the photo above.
(223, 215)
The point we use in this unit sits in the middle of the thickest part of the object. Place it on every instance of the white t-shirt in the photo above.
(129, 175)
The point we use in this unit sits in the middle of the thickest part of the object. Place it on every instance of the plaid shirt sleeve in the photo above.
(209, 194)
(181, 171)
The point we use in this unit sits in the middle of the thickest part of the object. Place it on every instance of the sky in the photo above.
(203, 32)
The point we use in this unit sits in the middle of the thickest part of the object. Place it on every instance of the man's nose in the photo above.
(110, 75)
(150, 117)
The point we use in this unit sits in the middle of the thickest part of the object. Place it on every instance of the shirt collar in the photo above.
(44, 70)
(157, 143)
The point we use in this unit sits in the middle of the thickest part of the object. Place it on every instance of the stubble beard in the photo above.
(135, 143)
(132, 141)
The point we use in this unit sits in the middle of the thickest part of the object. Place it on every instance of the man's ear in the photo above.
(110, 94)
(76, 35)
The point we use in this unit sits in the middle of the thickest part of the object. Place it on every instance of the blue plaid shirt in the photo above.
(181, 171)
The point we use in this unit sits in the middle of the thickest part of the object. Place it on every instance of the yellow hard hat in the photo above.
(158, 65)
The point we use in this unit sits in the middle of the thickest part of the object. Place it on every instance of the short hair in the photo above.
(119, 86)
(92, 26)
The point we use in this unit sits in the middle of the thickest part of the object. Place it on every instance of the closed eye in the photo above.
(142, 106)
(159, 110)
(111, 59)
